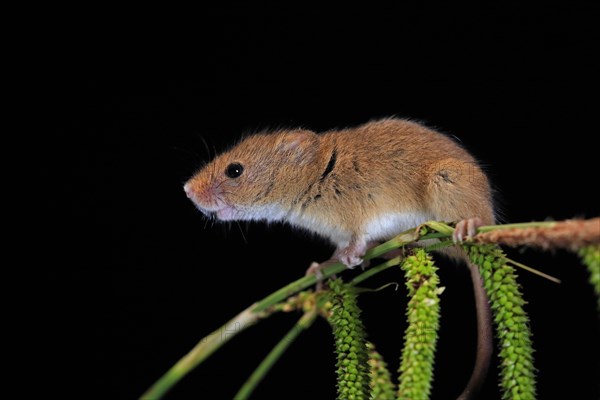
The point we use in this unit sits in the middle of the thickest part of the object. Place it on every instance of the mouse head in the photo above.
(257, 179)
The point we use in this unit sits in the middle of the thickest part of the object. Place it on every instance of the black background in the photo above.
(133, 105)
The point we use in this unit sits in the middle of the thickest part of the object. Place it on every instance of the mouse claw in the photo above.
(351, 256)
(457, 236)
(466, 229)
(316, 269)
(351, 261)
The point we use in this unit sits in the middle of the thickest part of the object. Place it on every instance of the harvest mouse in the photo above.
(355, 187)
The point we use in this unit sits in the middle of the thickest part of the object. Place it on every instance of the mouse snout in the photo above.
(199, 194)
(188, 189)
(203, 195)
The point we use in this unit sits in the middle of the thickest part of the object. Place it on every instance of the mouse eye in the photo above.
(234, 170)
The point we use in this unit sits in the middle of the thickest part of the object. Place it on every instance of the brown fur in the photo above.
(383, 167)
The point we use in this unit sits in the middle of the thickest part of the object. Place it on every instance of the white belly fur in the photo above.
(383, 227)
(388, 225)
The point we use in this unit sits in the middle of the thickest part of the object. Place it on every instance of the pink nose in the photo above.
(188, 190)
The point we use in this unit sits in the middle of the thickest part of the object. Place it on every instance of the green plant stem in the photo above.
(532, 270)
(295, 287)
(440, 227)
(302, 283)
(375, 270)
(215, 340)
(447, 230)
(200, 352)
(264, 307)
(521, 225)
(438, 246)
(259, 373)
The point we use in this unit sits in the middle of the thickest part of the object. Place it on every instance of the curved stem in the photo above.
(200, 352)
(302, 283)
(259, 373)
(375, 270)
(296, 286)
(215, 340)
(249, 316)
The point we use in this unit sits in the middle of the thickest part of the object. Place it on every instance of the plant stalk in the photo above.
(259, 373)
(200, 352)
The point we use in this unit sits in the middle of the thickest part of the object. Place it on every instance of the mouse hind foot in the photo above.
(466, 229)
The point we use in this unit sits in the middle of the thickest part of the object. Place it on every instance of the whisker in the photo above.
(219, 184)
(242, 232)
(206, 146)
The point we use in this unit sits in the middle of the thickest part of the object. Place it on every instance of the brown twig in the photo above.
(570, 234)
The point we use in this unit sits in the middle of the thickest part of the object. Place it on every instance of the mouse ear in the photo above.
(301, 146)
